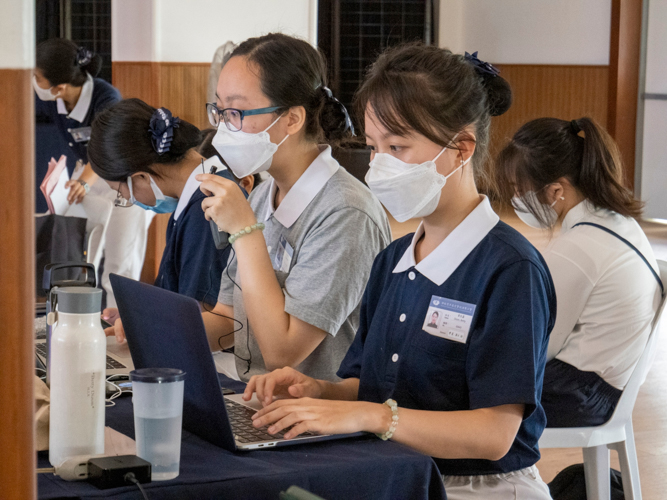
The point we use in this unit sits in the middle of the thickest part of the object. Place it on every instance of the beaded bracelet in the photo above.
(393, 406)
(249, 229)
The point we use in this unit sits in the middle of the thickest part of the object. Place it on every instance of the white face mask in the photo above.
(246, 154)
(43, 94)
(521, 209)
(407, 190)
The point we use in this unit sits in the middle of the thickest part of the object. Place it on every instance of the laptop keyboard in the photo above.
(112, 364)
(241, 419)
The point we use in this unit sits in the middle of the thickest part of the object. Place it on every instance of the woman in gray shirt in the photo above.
(305, 241)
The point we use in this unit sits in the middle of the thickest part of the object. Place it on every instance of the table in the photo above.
(363, 467)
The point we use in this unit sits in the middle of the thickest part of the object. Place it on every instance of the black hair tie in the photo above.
(161, 128)
(574, 126)
(329, 96)
(483, 69)
(83, 57)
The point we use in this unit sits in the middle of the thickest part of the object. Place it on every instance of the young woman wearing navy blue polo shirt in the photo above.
(149, 158)
(70, 97)
(466, 391)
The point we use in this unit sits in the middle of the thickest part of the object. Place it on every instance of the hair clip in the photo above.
(574, 126)
(482, 67)
(161, 127)
(83, 56)
(329, 95)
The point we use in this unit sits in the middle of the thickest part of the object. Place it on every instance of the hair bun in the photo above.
(334, 118)
(499, 94)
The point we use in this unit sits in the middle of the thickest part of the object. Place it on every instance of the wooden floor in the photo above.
(650, 414)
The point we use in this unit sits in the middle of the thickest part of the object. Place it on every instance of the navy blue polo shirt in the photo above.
(485, 347)
(96, 95)
(191, 265)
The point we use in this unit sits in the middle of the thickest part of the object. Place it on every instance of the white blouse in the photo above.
(607, 295)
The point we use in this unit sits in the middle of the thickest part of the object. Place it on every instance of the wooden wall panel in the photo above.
(17, 295)
(624, 60)
(565, 92)
(180, 87)
(136, 79)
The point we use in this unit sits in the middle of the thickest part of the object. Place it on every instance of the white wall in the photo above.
(528, 31)
(17, 34)
(132, 30)
(654, 152)
(191, 30)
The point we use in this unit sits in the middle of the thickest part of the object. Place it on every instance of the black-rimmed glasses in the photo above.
(120, 200)
(233, 117)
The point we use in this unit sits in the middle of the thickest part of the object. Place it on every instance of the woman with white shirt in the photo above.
(606, 277)
(304, 245)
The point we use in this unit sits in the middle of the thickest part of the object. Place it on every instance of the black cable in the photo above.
(205, 306)
(247, 328)
(131, 478)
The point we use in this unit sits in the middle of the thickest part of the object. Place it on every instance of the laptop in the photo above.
(119, 359)
(166, 330)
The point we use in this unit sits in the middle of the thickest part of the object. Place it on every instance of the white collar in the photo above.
(82, 105)
(441, 263)
(192, 184)
(578, 213)
(304, 189)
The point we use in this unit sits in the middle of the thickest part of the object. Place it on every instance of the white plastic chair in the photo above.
(97, 211)
(617, 433)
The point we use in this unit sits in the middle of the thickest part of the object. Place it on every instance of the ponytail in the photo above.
(601, 177)
(547, 149)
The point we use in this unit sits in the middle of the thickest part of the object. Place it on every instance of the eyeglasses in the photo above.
(120, 200)
(233, 117)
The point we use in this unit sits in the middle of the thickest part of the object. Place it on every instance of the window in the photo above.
(353, 33)
(86, 22)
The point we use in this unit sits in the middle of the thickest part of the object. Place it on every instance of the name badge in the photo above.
(283, 257)
(81, 134)
(449, 319)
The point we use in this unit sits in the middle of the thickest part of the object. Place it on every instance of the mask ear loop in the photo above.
(274, 122)
(556, 201)
(133, 200)
(157, 192)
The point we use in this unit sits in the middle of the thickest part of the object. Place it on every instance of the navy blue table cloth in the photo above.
(345, 469)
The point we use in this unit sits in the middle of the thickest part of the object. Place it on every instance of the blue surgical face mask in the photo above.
(163, 204)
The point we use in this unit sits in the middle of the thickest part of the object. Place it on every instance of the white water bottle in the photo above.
(78, 366)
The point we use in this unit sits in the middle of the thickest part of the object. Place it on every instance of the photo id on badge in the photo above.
(283, 257)
(449, 319)
(81, 134)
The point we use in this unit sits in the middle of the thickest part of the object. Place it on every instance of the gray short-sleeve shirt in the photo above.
(333, 227)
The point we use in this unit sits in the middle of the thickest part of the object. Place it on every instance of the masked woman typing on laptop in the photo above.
(604, 271)
(149, 157)
(467, 390)
(304, 245)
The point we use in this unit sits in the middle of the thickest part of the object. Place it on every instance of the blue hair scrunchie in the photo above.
(83, 56)
(483, 68)
(161, 128)
(329, 95)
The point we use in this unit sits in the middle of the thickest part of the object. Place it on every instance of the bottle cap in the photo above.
(79, 300)
(157, 375)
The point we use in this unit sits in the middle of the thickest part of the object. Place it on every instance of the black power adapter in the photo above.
(111, 472)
